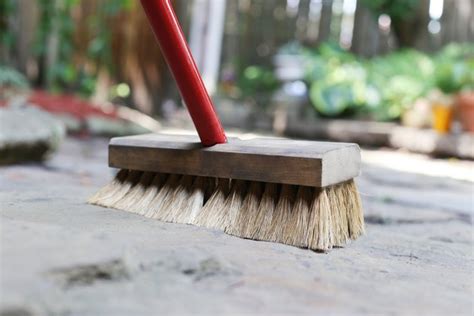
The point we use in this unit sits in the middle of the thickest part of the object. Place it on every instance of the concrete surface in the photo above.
(60, 256)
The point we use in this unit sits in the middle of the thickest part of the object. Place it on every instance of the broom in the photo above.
(299, 193)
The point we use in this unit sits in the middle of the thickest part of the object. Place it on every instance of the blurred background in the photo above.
(380, 73)
(394, 76)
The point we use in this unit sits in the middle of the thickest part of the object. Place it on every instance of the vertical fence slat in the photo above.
(325, 22)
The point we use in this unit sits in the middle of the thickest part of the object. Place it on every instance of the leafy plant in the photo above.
(255, 80)
(400, 78)
(341, 90)
(332, 99)
(455, 68)
(57, 26)
(384, 87)
(56, 21)
(100, 49)
(452, 77)
(6, 36)
(11, 78)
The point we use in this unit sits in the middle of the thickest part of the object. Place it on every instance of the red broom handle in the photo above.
(178, 56)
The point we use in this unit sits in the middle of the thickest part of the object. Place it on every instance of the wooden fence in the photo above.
(253, 32)
(256, 29)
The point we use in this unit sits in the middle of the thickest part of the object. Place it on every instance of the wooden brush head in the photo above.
(308, 163)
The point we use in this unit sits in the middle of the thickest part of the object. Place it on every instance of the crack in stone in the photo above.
(410, 256)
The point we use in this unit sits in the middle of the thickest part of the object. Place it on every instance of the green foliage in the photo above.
(451, 77)
(255, 80)
(7, 39)
(11, 78)
(455, 68)
(400, 78)
(383, 87)
(331, 99)
(100, 49)
(396, 9)
(56, 21)
(337, 80)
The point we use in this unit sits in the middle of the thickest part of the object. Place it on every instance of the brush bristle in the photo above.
(295, 231)
(165, 193)
(306, 217)
(264, 214)
(281, 213)
(244, 213)
(117, 189)
(135, 193)
(213, 215)
(141, 205)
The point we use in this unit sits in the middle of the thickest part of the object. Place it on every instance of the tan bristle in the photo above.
(164, 195)
(173, 206)
(136, 193)
(296, 229)
(243, 224)
(355, 215)
(320, 226)
(282, 213)
(264, 212)
(343, 211)
(190, 206)
(338, 214)
(143, 205)
(213, 214)
(209, 190)
(109, 190)
(233, 203)
(315, 218)
(131, 180)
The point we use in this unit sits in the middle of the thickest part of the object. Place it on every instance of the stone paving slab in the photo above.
(60, 256)
(28, 134)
